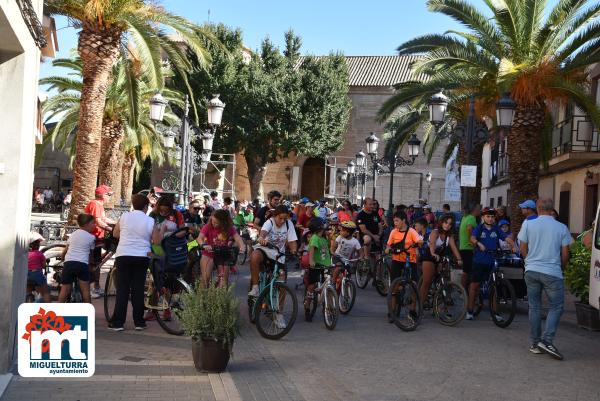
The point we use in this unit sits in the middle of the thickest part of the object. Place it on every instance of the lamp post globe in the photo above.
(372, 144)
(158, 105)
(207, 141)
(437, 108)
(215, 110)
(361, 158)
(351, 166)
(428, 176)
(413, 146)
(506, 109)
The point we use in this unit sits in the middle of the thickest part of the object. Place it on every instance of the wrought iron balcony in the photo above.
(575, 142)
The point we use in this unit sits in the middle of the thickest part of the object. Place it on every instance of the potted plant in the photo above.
(211, 318)
(577, 279)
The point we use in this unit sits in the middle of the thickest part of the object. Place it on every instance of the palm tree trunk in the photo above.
(118, 177)
(256, 172)
(109, 169)
(98, 50)
(524, 142)
(127, 173)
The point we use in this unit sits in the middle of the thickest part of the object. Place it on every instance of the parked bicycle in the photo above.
(275, 309)
(447, 299)
(404, 302)
(325, 295)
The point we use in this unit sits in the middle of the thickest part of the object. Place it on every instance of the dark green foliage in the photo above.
(577, 272)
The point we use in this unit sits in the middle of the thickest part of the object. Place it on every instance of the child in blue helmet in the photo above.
(504, 226)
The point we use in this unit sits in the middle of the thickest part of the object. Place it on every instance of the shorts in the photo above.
(467, 259)
(480, 273)
(312, 276)
(74, 270)
(397, 269)
(37, 277)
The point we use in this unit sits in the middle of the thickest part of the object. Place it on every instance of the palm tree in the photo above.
(126, 127)
(106, 27)
(540, 56)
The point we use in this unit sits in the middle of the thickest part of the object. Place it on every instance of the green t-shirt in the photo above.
(322, 256)
(463, 233)
(242, 219)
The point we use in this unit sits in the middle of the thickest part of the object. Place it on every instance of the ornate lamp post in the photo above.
(361, 165)
(428, 178)
(350, 168)
(372, 145)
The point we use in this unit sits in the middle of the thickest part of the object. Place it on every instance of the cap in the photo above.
(304, 200)
(104, 190)
(35, 236)
(503, 222)
(528, 204)
(488, 211)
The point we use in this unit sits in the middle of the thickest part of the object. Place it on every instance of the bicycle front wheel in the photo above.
(275, 311)
(404, 304)
(170, 305)
(450, 304)
(330, 308)
(503, 303)
(347, 296)
(362, 274)
(110, 294)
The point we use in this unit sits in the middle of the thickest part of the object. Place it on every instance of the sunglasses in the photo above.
(196, 208)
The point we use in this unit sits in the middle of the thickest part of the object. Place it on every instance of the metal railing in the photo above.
(575, 134)
(53, 232)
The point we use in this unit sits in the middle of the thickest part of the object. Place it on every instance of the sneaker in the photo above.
(280, 321)
(166, 316)
(498, 318)
(253, 292)
(95, 294)
(100, 291)
(115, 328)
(535, 349)
(141, 327)
(149, 316)
(550, 349)
(469, 316)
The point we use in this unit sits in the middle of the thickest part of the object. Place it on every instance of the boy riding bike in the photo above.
(318, 254)
(345, 247)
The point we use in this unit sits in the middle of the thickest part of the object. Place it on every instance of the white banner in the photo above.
(452, 185)
(468, 176)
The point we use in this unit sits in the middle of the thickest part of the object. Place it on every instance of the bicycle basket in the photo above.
(225, 255)
(176, 253)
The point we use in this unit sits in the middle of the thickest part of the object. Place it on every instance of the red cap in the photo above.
(103, 190)
(487, 210)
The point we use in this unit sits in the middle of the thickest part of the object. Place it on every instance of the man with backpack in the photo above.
(485, 237)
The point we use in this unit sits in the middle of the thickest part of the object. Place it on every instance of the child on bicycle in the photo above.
(76, 256)
(218, 232)
(318, 254)
(35, 268)
(403, 242)
(344, 248)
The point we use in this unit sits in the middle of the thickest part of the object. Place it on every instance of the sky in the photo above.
(353, 27)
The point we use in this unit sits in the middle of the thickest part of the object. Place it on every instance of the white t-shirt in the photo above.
(346, 247)
(278, 236)
(80, 244)
(136, 234)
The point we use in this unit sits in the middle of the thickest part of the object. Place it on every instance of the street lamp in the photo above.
(215, 109)
(505, 111)
(428, 178)
(158, 104)
(350, 168)
(361, 164)
(372, 145)
(438, 104)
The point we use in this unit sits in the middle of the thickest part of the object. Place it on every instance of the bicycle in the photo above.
(448, 299)
(345, 287)
(225, 257)
(404, 302)
(276, 303)
(500, 293)
(379, 271)
(325, 295)
(249, 239)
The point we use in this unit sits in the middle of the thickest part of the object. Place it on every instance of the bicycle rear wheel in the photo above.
(275, 311)
(110, 294)
(170, 304)
(383, 278)
(330, 308)
(450, 304)
(347, 296)
(362, 274)
(404, 304)
(503, 303)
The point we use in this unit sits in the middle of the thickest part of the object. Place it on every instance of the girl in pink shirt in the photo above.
(35, 268)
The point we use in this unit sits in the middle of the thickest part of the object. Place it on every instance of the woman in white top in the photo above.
(134, 231)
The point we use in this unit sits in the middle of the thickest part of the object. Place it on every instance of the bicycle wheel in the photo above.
(383, 278)
(503, 303)
(404, 304)
(170, 305)
(347, 296)
(275, 311)
(450, 304)
(362, 274)
(110, 294)
(251, 303)
(330, 308)
(312, 306)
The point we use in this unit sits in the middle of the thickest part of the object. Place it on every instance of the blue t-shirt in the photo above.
(544, 237)
(490, 238)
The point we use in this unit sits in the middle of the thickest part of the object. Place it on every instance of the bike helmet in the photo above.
(348, 225)
(316, 224)
(333, 219)
(488, 211)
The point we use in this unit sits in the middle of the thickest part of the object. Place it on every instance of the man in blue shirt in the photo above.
(544, 243)
(485, 237)
(528, 209)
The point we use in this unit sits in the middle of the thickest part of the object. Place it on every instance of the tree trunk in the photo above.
(524, 144)
(119, 174)
(109, 169)
(98, 50)
(256, 172)
(127, 173)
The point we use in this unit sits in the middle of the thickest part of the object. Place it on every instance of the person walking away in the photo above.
(318, 256)
(544, 243)
(528, 210)
(262, 216)
(36, 262)
(467, 225)
(486, 237)
(228, 205)
(215, 202)
(103, 224)
(134, 230)
(76, 257)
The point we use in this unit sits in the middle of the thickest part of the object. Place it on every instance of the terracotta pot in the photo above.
(210, 355)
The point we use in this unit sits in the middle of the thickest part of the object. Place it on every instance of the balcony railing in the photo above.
(576, 134)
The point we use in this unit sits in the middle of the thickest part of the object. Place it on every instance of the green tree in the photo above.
(277, 102)
(537, 54)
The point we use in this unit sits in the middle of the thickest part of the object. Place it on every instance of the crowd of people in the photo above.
(326, 236)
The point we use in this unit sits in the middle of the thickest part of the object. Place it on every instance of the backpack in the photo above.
(176, 253)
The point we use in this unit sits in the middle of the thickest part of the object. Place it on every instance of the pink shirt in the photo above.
(216, 237)
(36, 260)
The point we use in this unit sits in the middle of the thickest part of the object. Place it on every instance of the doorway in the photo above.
(591, 203)
(313, 178)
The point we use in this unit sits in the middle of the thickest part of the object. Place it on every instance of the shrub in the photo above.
(577, 272)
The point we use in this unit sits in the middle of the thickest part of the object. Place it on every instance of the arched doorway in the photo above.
(313, 178)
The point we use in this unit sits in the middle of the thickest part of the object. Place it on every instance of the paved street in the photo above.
(365, 358)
